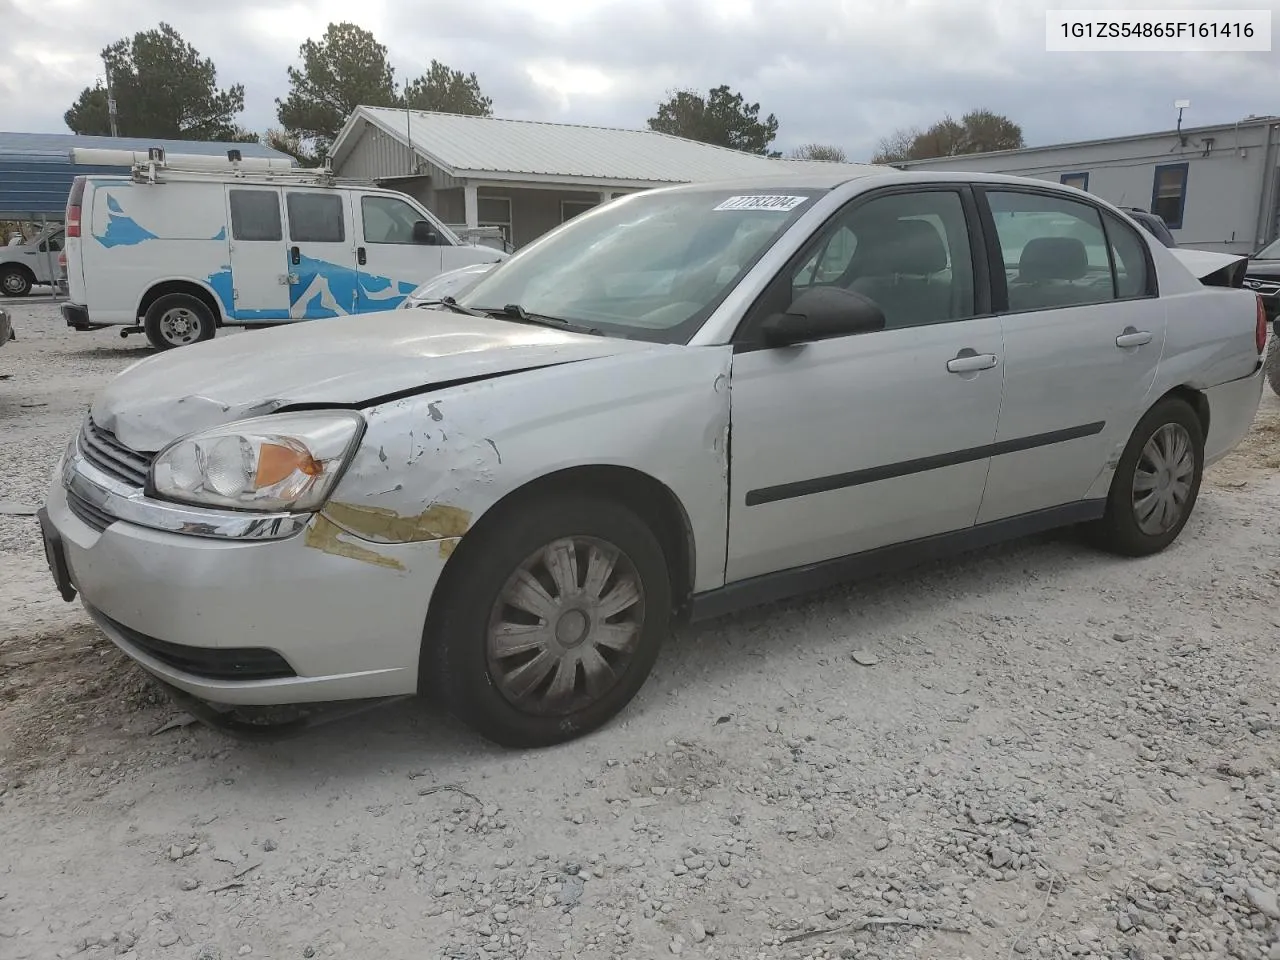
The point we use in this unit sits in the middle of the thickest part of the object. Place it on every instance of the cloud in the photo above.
(845, 72)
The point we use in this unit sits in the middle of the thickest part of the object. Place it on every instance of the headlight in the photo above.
(286, 461)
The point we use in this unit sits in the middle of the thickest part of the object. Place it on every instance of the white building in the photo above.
(1218, 188)
(523, 176)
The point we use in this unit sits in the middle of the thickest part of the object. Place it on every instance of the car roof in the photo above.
(811, 179)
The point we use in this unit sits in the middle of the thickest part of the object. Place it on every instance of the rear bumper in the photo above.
(77, 317)
(1232, 408)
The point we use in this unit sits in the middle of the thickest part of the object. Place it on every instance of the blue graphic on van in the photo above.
(325, 289)
(221, 234)
(121, 229)
(224, 289)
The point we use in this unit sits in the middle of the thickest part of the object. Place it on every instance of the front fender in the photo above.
(431, 465)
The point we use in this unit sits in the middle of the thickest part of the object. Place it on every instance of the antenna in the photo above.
(111, 101)
(1181, 105)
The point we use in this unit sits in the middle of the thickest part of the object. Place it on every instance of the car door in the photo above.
(843, 445)
(391, 263)
(1083, 333)
(321, 253)
(255, 285)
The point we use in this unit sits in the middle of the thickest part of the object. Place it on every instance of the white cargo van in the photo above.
(185, 244)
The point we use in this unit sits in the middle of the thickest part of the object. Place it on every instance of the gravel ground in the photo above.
(1036, 751)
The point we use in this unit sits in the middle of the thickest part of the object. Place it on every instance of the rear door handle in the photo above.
(360, 256)
(1133, 337)
(968, 361)
(295, 256)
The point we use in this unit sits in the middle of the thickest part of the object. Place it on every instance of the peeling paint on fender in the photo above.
(438, 522)
(325, 535)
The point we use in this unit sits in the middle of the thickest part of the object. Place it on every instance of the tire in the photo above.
(14, 281)
(459, 658)
(1272, 364)
(177, 320)
(1170, 428)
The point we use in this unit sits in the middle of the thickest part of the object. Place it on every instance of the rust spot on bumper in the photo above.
(325, 535)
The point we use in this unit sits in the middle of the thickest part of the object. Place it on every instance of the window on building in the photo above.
(495, 212)
(572, 208)
(1169, 193)
(315, 217)
(1078, 180)
(255, 215)
(1055, 252)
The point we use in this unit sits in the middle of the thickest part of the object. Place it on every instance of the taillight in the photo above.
(1260, 336)
(74, 199)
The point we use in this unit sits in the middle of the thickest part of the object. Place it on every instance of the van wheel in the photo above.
(14, 281)
(1156, 482)
(178, 319)
(551, 622)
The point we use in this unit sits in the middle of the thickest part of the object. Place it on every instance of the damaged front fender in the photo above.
(431, 465)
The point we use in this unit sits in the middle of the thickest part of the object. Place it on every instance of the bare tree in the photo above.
(820, 151)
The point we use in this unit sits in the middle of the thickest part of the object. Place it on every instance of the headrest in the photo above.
(1053, 258)
(903, 246)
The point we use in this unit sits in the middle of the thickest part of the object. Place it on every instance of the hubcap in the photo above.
(14, 283)
(179, 326)
(1162, 480)
(565, 626)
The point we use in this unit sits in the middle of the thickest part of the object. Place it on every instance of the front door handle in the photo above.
(1132, 337)
(360, 256)
(295, 256)
(969, 361)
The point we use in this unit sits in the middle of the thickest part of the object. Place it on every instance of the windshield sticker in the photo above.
(771, 201)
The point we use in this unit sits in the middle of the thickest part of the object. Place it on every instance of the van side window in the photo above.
(315, 218)
(388, 220)
(255, 215)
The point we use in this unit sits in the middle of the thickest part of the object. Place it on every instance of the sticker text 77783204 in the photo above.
(769, 201)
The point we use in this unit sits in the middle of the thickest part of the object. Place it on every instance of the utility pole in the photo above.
(111, 101)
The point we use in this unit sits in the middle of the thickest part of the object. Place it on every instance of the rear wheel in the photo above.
(14, 281)
(178, 319)
(1156, 482)
(551, 623)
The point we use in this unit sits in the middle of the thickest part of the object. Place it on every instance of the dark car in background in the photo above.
(1262, 276)
(1153, 223)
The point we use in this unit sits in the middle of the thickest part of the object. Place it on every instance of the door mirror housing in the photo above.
(821, 313)
(422, 233)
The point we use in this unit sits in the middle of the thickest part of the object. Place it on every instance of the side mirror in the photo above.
(821, 313)
(422, 233)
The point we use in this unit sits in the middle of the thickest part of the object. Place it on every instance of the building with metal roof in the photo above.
(36, 169)
(1216, 187)
(526, 177)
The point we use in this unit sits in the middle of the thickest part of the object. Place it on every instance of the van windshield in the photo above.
(650, 266)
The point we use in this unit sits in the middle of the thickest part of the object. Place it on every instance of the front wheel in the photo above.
(1156, 482)
(552, 621)
(178, 319)
(14, 281)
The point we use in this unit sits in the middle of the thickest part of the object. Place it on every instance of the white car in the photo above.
(682, 402)
(452, 283)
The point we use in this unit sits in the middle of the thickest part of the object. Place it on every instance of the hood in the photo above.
(1205, 263)
(451, 283)
(1264, 268)
(348, 361)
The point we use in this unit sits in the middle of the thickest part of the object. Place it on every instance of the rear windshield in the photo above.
(651, 266)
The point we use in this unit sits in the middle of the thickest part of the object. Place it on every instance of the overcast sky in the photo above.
(845, 72)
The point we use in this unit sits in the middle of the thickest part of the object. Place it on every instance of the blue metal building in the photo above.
(36, 169)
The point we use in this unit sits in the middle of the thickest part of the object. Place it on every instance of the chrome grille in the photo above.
(101, 448)
(88, 513)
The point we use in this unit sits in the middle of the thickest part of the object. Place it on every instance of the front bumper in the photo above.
(252, 622)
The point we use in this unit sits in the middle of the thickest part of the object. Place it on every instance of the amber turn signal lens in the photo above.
(276, 462)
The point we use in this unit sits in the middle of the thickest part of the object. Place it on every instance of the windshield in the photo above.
(1270, 252)
(651, 266)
